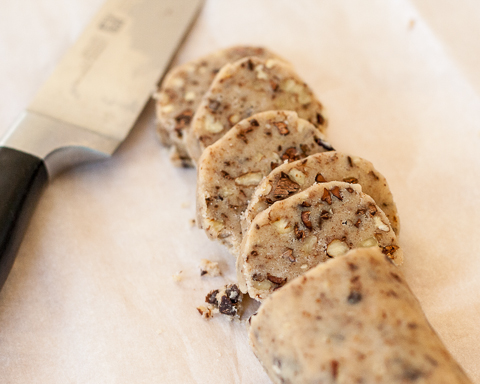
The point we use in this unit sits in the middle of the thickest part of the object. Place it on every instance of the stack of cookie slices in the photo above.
(314, 231)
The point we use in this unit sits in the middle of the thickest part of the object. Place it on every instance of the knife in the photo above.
(88, 105)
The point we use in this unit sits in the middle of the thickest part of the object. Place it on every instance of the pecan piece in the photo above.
(288, 254)
(284, 187)
(336, 192)
(351, 180)
(290, 155)
(306, 219)
(326, 196)
(282, 128)
(300, 235)
(319, 178)
(372, 209)
(276, 280)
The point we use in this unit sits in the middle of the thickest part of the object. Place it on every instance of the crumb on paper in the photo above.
(177, 277)
(411, 24)
(160, 331)
(192, 223)
(210, 268)
(185, 205)
(205, 312)
(226, 301)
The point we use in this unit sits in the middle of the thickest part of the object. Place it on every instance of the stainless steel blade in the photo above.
(101, 85)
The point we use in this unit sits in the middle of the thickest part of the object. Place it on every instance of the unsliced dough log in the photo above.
(291, 178)
(295, 234)
(244, 88)
(351, 320)
(230, 169)
(182, 90)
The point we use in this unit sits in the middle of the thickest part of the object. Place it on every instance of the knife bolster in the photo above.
(59, 144)
(22, 179)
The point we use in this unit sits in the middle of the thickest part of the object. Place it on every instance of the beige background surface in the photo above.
(91, 297)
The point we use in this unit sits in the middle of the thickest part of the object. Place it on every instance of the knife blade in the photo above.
(88, 105)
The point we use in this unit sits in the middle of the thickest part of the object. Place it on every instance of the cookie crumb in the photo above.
(205, 312)
(192, 223)
(209, 268)
(177, 277)
(226, 301)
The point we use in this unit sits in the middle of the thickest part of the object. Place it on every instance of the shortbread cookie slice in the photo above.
(180, 93)
(291, 178)
(230, 169)
(294, 235)
(351, 320)
(244, 88)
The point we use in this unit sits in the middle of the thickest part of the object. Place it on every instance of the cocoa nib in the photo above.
(323, 144)
(354, 297)
(306, 219)
(233, 293)
(276, 280)
(183, 119)
(351, 180)
(254, 123)
(211, 297)
(291, 154)
(284, 187)
(226, 307)
(282, 128)
(225, 175)
(213, 105)
(320, 119)
(258, 277)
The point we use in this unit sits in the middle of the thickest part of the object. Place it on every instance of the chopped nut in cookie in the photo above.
(249, 86)
(291, 178)
(181, 93)
(308, 228)
(230, 170)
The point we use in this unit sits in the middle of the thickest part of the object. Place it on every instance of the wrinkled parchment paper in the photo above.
(91, 298)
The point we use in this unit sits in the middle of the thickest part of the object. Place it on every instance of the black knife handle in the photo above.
(22, 179)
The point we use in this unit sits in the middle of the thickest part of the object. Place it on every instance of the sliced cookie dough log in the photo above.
(294, 235)
(180, 93)
(230, 169)
(244, 88)
(351, 320)
(288, 179)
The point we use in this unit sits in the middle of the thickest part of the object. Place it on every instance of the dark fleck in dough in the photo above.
(294, 235)
(246, 87)
(288, 179)
(351, 320)
(230, 169)
(181, 91)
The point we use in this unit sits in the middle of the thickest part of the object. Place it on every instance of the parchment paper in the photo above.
(91, 298)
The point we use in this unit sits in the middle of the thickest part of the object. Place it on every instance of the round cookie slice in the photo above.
(182, 89)
(244, 88)
(294, 235)
(230, 169)
(351, 320)
(291, 178)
